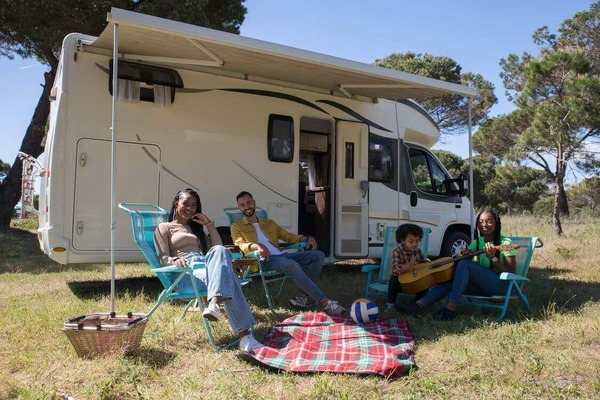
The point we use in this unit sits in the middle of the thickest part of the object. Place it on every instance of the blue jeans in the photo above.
(219, 279)
(295, 265)
(469, 278)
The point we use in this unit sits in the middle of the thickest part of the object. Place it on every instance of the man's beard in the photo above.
(248, 212)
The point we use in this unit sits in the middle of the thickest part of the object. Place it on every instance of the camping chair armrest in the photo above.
(285, 247)
(538, 243)
(170, 268)
(507, 276)
(369, 268)
(173, 268)
(252, 254)
(299, 246)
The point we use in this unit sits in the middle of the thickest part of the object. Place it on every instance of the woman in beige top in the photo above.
(182, 240)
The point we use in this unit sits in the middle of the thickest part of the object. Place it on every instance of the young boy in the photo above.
(406, 254)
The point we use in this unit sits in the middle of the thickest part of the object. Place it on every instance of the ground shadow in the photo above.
(547, 293)
(346, 283)
(547, 288)
(154, 358)
(21, 253)
(149, 286)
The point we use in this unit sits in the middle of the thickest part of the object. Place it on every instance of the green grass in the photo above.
(554, 352)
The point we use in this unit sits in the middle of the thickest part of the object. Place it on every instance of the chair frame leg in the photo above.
(523, 298)
(186, 308)
(265, 283)
(268, 295)
(281, 286)
(163, 295)
(504, 307)
(198, 298)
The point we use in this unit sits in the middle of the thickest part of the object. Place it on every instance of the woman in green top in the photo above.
(474, 276)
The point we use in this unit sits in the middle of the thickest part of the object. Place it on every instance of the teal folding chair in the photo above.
(379, 274)
(516, 280)
(144, 220)
(267, 276)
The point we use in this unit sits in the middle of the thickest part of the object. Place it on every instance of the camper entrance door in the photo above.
(352, 190)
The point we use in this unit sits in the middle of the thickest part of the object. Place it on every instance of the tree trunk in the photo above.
(561, 198)
(556, 211)
(559, 180)
(561, 205)
(10, 188)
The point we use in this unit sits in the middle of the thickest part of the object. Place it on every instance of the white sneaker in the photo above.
(301, 301)
(333, 308)
(212, 311)
(249, 343)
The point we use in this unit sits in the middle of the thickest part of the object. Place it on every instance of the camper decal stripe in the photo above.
(354, 114)
(163, 168)
(278, 95)
(416, 107)
(167, 170)
(262, 183)
(187, 90)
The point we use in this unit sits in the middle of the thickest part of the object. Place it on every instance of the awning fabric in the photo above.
(151, 39)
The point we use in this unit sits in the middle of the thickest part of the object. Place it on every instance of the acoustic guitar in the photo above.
(424, 275)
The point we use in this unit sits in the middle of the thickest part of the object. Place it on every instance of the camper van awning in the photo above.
(157, 40)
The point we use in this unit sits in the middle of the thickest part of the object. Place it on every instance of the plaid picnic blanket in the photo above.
(316, 342)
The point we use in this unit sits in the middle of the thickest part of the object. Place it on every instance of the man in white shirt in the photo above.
(304, 267)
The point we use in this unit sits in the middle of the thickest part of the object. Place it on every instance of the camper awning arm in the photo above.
(214, 62)
(346, 88)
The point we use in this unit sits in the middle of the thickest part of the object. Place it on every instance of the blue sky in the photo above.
(475, 33)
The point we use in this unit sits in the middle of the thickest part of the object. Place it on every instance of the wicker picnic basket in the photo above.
(105, 333)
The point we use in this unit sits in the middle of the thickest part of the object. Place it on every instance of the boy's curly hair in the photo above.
(406, 229)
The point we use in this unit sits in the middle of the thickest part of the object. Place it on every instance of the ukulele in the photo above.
(424, 275)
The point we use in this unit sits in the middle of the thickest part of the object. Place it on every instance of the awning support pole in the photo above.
(471, 194)
(113, 167)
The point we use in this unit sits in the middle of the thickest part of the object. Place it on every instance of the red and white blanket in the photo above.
(320, 343)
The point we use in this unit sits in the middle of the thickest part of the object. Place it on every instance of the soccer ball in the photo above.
(364, 310)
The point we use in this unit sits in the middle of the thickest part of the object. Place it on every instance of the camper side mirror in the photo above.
(458, 186)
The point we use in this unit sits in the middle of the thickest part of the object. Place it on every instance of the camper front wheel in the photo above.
(453, 243)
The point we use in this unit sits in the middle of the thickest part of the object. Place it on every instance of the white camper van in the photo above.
(314, 138)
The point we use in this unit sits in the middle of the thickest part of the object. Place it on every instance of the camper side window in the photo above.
(280, 139)
(141, 82)
(428, 175)
(349, 161)
(381, 165)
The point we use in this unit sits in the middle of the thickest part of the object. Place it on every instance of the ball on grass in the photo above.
(364, 310)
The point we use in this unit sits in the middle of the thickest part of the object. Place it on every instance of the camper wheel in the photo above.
(453, 243)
